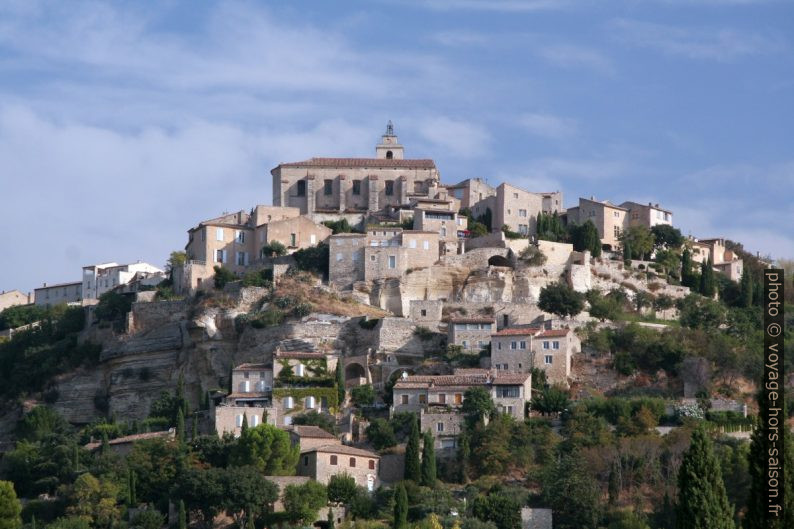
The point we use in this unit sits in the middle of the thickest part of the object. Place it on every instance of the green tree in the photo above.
(340, 384)
(627, 255)
(313, 259)
(428, 470)
(245, 492)
(363, 395)
(341, 489)
(147, 519)
(687, 275)
(477, 404)
(400, 507)
(412, 465)
(176, 259)
(746, 289)
(572, 493)
(10, 508)
(94, 500)
(180, 426)
(71, 522)
(498, 508)
(561, 300)
(702, 501)
(640, 240)
(585, 237)
(602, 307)
(708, 283)
(669, 261)
(666, 237)
(41, 422)
(273, 249)
(303, 502)
(182, 520)
(381, 434)
(268, 449)
(112, 306)
(550, 400)
(699, 313)
(223, 276)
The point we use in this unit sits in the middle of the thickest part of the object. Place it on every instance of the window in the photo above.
(306, 461)
(616, 231)
(338, 257)
(333, 460)
(508, 392)
(240, 236)
(443, 231)
(313, 239)
(328, 187)
(389, 187)
(403, 399)
(289, 403)
(522, 213)
(242, 258)
(422, 399)
(515, 195)
(239, 421)
(309, 403)
(519, 365)
(442, 398)
(439, 426)
(510, 410)
(293, 239)
(426, 245)
(546, 345)
(522, 344)
(392, 261)
(513, 345)
(499, 345)
(372, 257)
(547, 359)
(465, 344)
(412, 243)
(245, 374)
(220, 256)
(423, 312)
(458, 398)
(616, 213)
(523, 229)
(371, 464)
(299, 370)
(352, 462)
(389, 155)
(555, 345)
(301, 188)
(254, 421)
(356, 187)
(218, 234)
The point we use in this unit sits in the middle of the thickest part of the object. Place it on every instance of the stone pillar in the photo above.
(341, 183)
(310, 194)
(403, 192)
(372, 190)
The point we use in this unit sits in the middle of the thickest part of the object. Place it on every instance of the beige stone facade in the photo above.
(354, 185)
(610, 220)
(302, 380)
(519, 349)
(13, 298)
(426, 311)
(519, 209)
(509, 391)
(471, 192)
(101, 278)
(51, 295)
(308, 437)
(449, 225)
(724, 260)
(251, 398)
(472, 334)
(649, 215)
(445, 426)
(322, 462)
(383, 252)
(294, 233)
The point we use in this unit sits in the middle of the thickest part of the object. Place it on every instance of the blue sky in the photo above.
(122, 125)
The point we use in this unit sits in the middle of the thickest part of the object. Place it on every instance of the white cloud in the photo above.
(573, 56)
(565, 169)
(722, 44)
(548, 125)
(456, 137)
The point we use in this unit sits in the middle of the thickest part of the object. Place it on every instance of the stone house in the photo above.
(426, 312)
(13, 298)
(322, 462)
(450, 226)
(509, 391)
(251, 397)
(649, 215)
(445, 426)
(609, 219)
(519, 349)
(52, 295)
(101, 278)
(307, 437)
(473, 334)
(511, 349)
(724, 260)
(471, 192)
(296, 233)
(519, 209)
(303, 381)
(383, 252)
(321, 186)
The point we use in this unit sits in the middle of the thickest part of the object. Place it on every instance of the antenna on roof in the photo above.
(389, 129)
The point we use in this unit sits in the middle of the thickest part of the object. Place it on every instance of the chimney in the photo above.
(45, 284)
(592, 198)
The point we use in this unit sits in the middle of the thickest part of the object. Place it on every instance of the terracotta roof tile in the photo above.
(243, 367)
(553, 333)
(342, 449)
(309, 431)
(472, 319)
(343, 163)
(517, 331)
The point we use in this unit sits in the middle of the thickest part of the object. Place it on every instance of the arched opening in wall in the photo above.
(498, 260)
(355, 375)
(389, 155)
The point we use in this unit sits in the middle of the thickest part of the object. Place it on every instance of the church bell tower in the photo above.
(389, 148)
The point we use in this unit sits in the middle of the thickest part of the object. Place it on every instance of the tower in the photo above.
(389, 148)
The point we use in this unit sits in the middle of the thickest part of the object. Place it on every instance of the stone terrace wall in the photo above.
(397, 335)
(146, 316)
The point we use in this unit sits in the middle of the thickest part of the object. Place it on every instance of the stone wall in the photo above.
(534, 518)
(426, 312)
(149, 315)
(397, 335)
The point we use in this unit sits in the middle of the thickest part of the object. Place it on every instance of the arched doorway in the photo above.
(498, 260)
(355, 375)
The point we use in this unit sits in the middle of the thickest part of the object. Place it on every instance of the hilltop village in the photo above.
(380, 333)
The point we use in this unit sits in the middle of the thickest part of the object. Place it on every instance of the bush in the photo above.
(510, 234)
(259, 278)
(112, 306)
(533, 256)
(561, 300)
(273, 249)
(363, 395)
(423, 333)
(302, 309)
(381, 434)
(223, 276)
(313, 259)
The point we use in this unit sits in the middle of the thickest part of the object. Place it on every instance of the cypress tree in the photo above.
(614, 486)
(182, 516)
(758, 458)
(76, 458)
(702, 500)
(180, 426)
(33, 522)
(746, 289)
(133, 488)
(340, 384)
(687, 279)
(105, 444)
(464, 454)
(428, 478)
(627, 250)
(244, 426)
(194, 433)
(412, 467)
(707, 281)
(400, 507)
(129, 487)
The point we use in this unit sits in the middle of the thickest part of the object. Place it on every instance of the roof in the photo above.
(248, 395)
(131, 439)
(472, 319)
(462, 378)
(313, 432)
(629, 203)
(253, 366)
(299, 354)
(342, 449)
(552, 333)
(340, 235)
(342, 163)
(517, 331)
(606, 203)
(426, 232)
(510, 379)
(56, 285)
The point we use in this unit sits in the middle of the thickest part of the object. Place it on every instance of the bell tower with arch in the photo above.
(389, 148)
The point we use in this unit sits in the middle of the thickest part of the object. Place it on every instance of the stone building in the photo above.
(610, 220)
(13, 298)
(354, 187)
(322, 462)
(101, 278)
(426, 312)
(445, 426)
(450, 226)
(519, 209)
(303, 382)
(251, 398)
(724, 260)
(519, 349)
(649, 215)
(308, 437)
(382, 252)
(471, 333)
(52, 295)
(511, 349)
(472, 192)
(509, 391)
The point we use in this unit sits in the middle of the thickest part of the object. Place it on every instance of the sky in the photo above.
(122, 125)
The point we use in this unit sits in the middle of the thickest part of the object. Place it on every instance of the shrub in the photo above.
(223, 276)
(112, 306)
(423, 333)
(313, 259)
(381, 434)
(273, 249)
(259, 278)
(268, 318)
(533, 256)
(302, 309)
(363, 395)
(510, 234)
